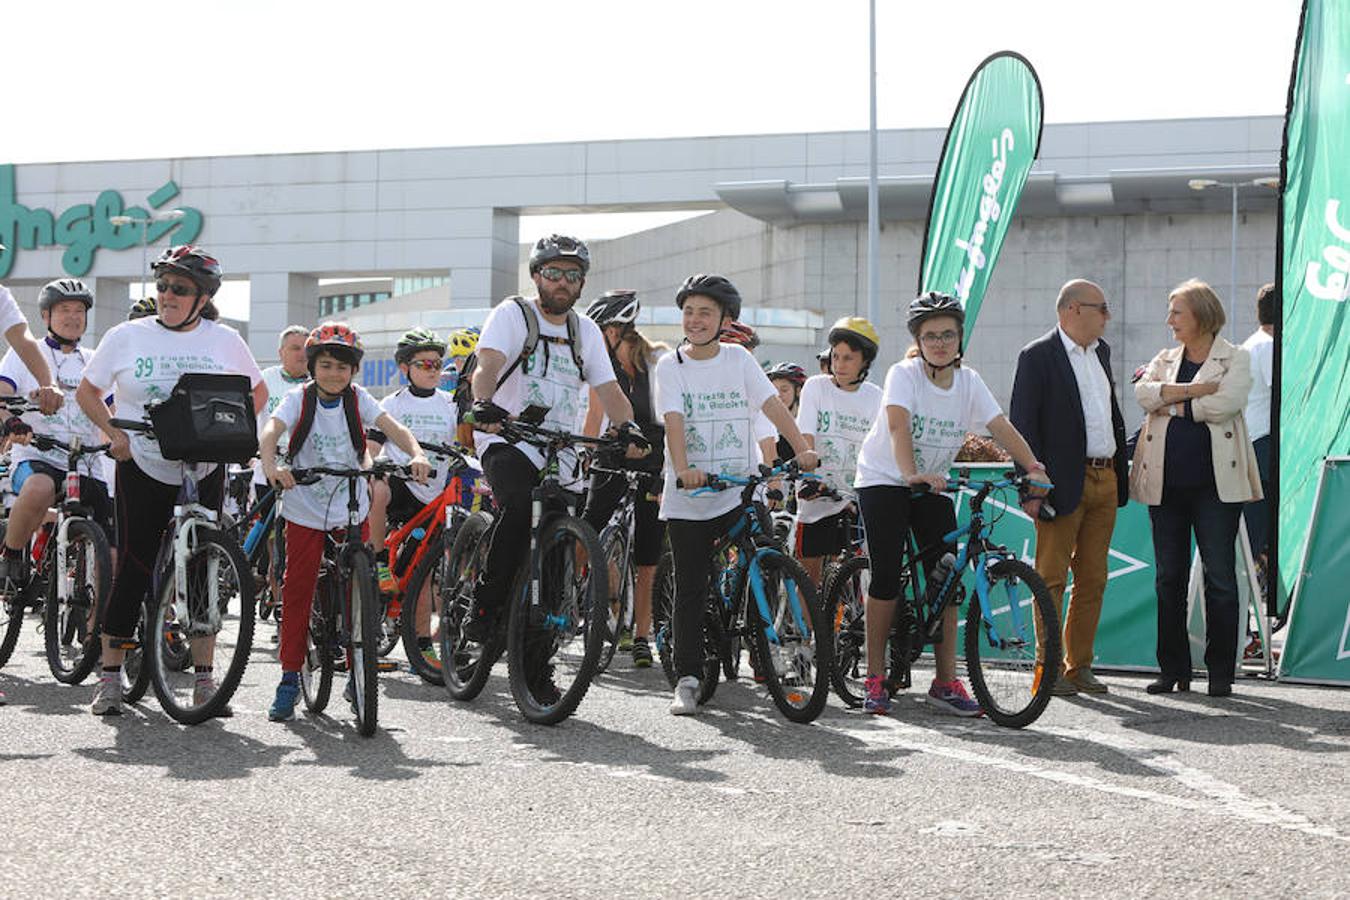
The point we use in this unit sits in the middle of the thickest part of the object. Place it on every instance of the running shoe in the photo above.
(878, 699)
(951, 698)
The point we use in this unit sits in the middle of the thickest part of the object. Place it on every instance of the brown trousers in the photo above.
(1079, 542)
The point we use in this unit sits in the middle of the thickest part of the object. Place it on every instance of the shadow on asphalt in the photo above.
(336, 744)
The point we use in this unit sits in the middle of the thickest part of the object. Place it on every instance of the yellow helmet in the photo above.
(856, 330)
(462, 342)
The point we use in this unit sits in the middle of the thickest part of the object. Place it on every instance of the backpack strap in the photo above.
(351, 405)
(574, 341)
(531, 337)
(309, 402)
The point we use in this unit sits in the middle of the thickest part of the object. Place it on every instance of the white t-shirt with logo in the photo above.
(719, 399)
(10, 314)
(1261, 346)
(838, 421)
(141, 361)
(68, 422)
(323, 505)
(429, 419)
(939, 421)
(279, 384)
(548, 378)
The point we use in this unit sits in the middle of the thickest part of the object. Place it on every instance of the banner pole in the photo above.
(873, 201)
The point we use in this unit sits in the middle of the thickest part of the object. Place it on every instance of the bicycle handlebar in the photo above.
(132, 425)
(789, 470)
(48, 442)
(312, 474)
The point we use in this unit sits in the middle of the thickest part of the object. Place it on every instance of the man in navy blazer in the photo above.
(1064, 404)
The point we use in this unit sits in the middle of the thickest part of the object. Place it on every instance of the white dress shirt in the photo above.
(1094, 391)
(1262, 348)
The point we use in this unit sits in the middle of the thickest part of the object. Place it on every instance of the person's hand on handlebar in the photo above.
(49, 399)
(936, 483)
(19, 431)
(420, 467)
(807, 460)
(692, 478)
(279, 477)
(638, 445)
(119, 444)
(488, 416)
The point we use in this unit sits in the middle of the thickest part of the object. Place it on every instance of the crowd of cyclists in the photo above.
(686, 418)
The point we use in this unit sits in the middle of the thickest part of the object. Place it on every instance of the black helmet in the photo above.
(715, 288)
(615, 308)
(416, 340)
(146, 306)
(53, 292)
(191, 261)
(926, 306)
(559, 246)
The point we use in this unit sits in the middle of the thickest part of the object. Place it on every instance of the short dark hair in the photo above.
(1265, 305)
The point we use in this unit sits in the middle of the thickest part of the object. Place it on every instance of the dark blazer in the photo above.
(1048, 412)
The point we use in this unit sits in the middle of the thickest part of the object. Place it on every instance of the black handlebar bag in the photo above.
(207, 418)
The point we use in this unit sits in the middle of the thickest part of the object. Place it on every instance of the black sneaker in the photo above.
(642, 653)
(479, 624)
(12, 574)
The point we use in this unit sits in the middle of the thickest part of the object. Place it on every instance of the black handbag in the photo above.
(207, 418)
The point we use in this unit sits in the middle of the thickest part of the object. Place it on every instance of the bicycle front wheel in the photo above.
(614, 549)
(791, 634)
(1001, 660)
(215, 615)
(554, 639)
(11, 615)
(465, 664)
(70, 622)
(422, 604)
(363, 651)
(316, 672)
(845, 604)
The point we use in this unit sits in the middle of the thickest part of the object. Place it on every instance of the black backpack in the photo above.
(308, 406)
(464, 387)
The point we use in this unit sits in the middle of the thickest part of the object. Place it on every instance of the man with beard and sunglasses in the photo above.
(570, 353)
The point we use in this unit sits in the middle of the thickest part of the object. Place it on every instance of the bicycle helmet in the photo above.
(53, 292)
(715, 288)
(788, 372)
(142, 308)
(463, 341)
(741, 334)
(615, 308)
(337, 339)
(414, 341)
(559, 246)
(858, 333)
(193, 262)
(932, 304)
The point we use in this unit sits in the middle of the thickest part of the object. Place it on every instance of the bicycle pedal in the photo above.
(127, 645)
(386, 665)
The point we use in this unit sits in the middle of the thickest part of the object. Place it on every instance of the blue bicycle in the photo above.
(761, 594)
(1009, 604)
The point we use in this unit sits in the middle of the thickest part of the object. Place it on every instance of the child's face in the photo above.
(846, 362)
(331, 374)
(424, 369)
(702, 319)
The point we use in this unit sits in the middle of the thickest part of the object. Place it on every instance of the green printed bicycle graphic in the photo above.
(729, 438)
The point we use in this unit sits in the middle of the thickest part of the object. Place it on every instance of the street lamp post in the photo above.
(1200, 184)
(169, 215)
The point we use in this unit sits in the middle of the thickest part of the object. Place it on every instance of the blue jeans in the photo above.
(1258, 512)
(1215, 525)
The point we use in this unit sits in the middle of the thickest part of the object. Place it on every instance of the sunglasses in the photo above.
(178, 290)
(431, 365)
(553, 273)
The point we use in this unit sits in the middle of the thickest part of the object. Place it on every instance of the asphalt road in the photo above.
(1121, 796)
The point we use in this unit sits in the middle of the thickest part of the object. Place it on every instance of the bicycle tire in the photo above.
(71, 628)
(135, 671)
(234, 590)
(470, 662)
(363, 619)
(553, 646)
(795, 664)
(391, 627)
(845, 605)
(1011, 687)
(663, 631)
(430, 573)
(11, 617)
(316, 671)
(614, 549)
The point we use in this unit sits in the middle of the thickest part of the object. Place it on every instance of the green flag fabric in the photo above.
(991, 144)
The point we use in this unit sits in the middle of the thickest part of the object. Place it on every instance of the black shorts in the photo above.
(93, 493)
(402, 504)
(825, 537)
(649, 532)
(889, 513)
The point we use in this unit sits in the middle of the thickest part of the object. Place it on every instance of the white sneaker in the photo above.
(203, 689)
(686, 697)
(107, 697)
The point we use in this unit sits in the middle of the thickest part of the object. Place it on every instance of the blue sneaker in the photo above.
(878, 701)
(283, 706)
(952, 699)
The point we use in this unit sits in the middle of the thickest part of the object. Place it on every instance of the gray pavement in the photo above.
(1123, 795)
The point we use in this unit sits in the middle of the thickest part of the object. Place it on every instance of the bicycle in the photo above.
(1000, 640)
(346, 609)
(201, 602)
(761, 594)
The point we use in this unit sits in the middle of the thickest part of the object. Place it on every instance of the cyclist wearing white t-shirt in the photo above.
(14, 327)
(140, 361)
(930, 402)
(281, 379)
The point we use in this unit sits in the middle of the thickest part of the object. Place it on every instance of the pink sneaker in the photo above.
(878, 700)
(951, 698)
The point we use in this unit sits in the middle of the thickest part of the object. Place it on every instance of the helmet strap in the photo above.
(57, 342)
(194, 315)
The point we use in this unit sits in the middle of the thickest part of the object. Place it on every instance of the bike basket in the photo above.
(207, 418)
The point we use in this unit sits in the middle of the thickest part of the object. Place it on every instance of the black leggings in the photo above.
(649, 532)
(144, 510)
(888, 513)
(691, 543)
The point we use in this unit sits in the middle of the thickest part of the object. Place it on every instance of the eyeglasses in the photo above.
(1104, 307)
(178, 290)
(431, 365)
(553, 273)
(933, 338)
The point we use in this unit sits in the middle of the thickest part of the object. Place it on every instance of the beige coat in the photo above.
(1235, 472)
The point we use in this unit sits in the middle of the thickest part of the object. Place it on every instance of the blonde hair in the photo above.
(641, 349)
(1203, 303)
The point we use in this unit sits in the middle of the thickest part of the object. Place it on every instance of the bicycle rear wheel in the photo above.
(11, 616)
(218, 608)
(316, 672)
(554, 640)
(845, 601)
(363, 655)
(426, 588)
(1012, 687)
(465, 664)
(791, 634)
(614, 546)
(70, 629)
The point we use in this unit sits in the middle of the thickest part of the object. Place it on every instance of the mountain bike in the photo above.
(1000, 632)
(616, 545)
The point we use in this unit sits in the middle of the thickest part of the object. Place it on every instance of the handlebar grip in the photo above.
(129, 424)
